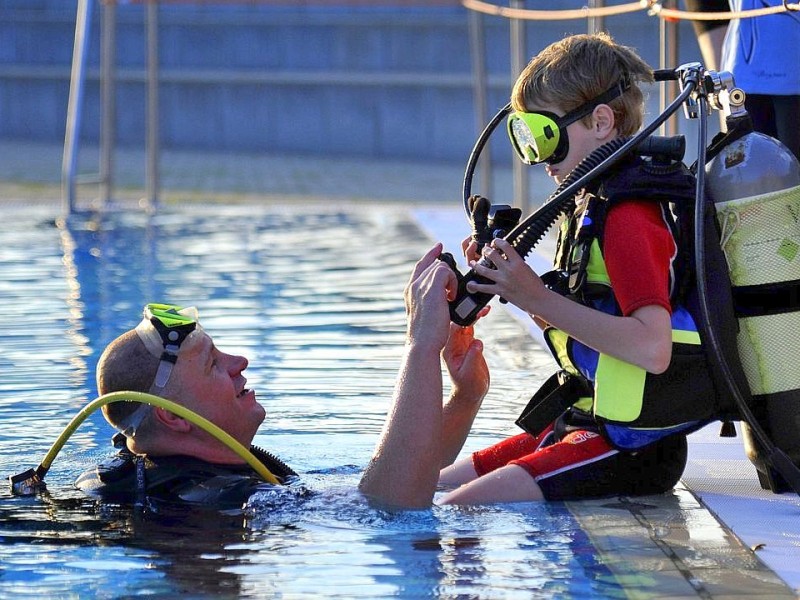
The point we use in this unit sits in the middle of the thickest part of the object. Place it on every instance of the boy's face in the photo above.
(582, 142)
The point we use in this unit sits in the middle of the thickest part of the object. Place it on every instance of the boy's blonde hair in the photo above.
(578, 68)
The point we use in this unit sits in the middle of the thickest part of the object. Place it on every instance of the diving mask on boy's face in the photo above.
(538, 136)
(541, 136)
(164, 329)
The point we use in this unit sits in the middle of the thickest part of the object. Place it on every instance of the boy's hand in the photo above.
(513, 279)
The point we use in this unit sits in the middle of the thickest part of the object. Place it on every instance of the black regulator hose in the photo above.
(530, 231)
(775, 457)
(524, 237)
(477, 149)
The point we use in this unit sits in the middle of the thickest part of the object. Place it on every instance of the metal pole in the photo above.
(668, 59)
(151, 169)
(69, 162)
(108, 101)
(480, 92)
(518, 61)
(672, 58)
(596, 24)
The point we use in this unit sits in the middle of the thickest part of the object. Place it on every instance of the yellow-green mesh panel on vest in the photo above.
(761, 240)
(769, 346)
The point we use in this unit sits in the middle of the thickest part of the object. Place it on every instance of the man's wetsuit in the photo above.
(130, 478)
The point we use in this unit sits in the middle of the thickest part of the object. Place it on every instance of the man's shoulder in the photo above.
(126, 477)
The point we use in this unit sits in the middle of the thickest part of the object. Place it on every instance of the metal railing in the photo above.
(69, 174)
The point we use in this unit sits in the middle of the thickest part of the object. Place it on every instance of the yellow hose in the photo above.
(172, 407)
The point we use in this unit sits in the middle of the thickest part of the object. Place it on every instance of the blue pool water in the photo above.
(311, 294)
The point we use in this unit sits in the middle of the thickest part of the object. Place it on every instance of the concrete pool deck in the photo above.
(718, 535)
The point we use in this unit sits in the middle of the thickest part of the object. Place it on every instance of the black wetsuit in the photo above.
(130, 478)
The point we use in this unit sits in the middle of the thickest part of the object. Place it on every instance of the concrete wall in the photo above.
(377, 79)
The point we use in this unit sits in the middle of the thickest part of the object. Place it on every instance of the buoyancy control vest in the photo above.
(130, 478)
(632, 407)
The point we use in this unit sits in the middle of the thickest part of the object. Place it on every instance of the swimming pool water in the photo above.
(312, 295)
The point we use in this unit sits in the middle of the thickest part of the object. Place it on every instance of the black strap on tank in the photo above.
(766, 299)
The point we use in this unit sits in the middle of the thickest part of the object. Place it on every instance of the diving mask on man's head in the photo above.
(164, 330)
(541, 136)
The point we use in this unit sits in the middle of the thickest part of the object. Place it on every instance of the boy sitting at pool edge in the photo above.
(627, 402)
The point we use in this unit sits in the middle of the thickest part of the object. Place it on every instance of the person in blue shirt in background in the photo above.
(763, 54)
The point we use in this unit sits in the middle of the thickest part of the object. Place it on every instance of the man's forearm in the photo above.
(457, 418)
(404, 469)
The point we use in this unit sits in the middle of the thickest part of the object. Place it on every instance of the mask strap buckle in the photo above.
(172, 338)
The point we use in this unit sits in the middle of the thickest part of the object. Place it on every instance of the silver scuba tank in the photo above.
(754, 183)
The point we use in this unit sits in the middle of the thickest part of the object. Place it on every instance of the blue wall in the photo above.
(354, 81)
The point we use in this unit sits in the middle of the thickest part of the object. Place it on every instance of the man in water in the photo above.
(166, 457)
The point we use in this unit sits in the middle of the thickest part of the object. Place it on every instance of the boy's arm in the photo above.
(638, 249)
(644, 338)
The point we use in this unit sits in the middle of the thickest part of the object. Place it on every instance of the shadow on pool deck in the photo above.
(671, 543)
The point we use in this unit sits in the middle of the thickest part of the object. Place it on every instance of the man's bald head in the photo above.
(125, 365)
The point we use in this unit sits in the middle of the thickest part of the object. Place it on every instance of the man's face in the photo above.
(210, 382)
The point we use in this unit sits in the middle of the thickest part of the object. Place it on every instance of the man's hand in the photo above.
(469, 375)
(470, 249)
(468, 371)
(432, 284)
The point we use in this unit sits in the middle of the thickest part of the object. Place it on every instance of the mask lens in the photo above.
(523, 141)
(170, 315)
(534, 136)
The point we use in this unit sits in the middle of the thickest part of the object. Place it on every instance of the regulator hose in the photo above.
(469, 170)
(530, 231)
(28, 482)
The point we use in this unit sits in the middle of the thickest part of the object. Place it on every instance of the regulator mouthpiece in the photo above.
(28, 483)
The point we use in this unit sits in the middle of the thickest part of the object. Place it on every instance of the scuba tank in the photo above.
(754, 182)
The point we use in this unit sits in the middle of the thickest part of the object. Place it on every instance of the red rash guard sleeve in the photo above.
(638, 249)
